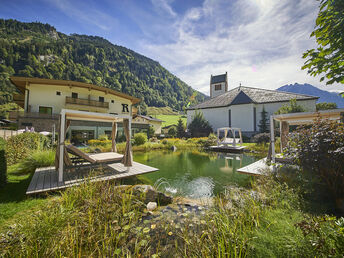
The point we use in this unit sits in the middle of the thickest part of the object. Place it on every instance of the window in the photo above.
(218, 87)
(58, 93)
(101, 99)
(74, 95)
(229, 118)
(45, 110)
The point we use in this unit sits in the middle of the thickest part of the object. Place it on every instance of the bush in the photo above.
(140, 138)
(37, 159)
(261, 138)
(319, 150)
(172, 132)
(3, 168)
(199, 126)
(103, 137)
(20, 146)
(2, 143)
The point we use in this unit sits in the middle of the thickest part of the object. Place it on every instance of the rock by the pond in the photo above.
(151, 206)
(164, 199)
(151, 195)
(173, 148)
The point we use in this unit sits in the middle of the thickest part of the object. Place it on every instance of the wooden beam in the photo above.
(61, 145)
(272, 136)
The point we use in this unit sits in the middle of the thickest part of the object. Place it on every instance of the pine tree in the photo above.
(180, 128)
(263, 123)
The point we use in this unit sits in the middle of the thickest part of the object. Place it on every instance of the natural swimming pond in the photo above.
(194, 173)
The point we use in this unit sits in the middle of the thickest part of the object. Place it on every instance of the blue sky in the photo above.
(258, 42)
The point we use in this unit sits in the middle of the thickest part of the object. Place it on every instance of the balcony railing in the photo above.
(86, 102)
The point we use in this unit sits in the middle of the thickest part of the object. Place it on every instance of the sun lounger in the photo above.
(97, 158)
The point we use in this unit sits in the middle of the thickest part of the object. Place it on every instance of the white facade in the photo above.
(244, 116)
(42, 95)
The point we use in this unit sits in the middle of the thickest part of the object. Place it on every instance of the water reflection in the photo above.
(195, 174)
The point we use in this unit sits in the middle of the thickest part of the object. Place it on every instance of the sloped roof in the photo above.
(245, 95)
(218, 78)
(150, 118)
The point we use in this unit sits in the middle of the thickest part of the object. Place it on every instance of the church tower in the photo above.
(218, 85)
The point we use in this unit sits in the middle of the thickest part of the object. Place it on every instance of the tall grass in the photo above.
(37, 159)
(90, 220)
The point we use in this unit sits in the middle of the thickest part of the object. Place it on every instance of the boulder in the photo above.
(151, 195)
(151, 206)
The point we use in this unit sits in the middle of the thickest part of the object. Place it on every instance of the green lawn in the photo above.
(170, 119)
(13, 199)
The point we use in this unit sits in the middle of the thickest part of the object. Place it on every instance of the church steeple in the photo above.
(218, 85)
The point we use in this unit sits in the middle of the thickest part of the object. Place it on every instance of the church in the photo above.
(242, 106)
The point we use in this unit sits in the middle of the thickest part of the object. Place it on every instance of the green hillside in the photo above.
(38, 50)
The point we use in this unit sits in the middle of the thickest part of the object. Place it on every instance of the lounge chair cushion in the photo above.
(106, 157)
(95, 158)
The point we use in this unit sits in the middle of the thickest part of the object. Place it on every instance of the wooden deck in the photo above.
(46, 179)
(257, 168)
(236, 149)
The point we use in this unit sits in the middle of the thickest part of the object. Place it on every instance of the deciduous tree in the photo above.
(328, 58)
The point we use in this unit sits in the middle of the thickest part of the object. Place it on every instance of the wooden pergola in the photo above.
(67, 115)
(285, 120)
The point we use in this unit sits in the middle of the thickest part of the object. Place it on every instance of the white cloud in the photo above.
(259, 43)
(164, 7)
(86, 14)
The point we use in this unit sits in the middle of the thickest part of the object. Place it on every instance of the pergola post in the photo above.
(61, 145)
(284, 130)
(272, 136)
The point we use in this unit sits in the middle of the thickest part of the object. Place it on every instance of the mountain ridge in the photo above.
(39, 50)
(308, 89)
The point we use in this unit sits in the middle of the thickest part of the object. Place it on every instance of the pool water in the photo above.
(194, 173)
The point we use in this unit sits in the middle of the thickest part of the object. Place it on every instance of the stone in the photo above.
(150, 193)
(164, 199)
(173, 148)
(151, 206)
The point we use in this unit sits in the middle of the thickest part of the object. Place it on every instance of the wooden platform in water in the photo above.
(46, 179)
(236, 149)
(257, 168)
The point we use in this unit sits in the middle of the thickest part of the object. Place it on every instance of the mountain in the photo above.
(308, 89)
(38, 50)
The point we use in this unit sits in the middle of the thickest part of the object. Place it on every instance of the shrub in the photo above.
(199, 126)
(37, 159)
(172, 132)
(3, 168)
(319, 150)
(20, 146)
(291, 107)
(261, 138)
(121, 138)
(103, 137)
(164, 142)
(2, 143)
(140, 138)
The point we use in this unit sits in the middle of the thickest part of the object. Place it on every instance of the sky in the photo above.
(258, 42)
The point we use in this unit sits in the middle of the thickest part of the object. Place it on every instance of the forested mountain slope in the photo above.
(38, 50)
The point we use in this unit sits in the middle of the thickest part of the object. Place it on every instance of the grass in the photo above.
(13, 200)
(99, 219)
(170, 119)
(161, 111)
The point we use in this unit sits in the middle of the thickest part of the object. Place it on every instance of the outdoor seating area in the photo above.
(69, 171)
(227, 140)
(274, 160)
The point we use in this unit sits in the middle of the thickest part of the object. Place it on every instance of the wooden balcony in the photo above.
(19, 99)
(86, 102)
